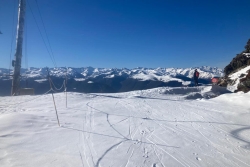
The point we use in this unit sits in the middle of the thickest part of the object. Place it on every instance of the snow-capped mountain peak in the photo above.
(112, 79)
(206, 72)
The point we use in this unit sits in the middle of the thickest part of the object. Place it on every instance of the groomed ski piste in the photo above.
(161, 127)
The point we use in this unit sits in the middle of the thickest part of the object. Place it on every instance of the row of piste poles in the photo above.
(65, 91)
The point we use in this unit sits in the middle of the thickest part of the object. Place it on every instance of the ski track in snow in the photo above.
(130, 129)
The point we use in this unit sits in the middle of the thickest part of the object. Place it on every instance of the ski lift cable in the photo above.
(55, 86)
(26, 53)
(45, 31)
(0, 21)
(41, 35)
(26, 45)
(64, 84)
(13, 33)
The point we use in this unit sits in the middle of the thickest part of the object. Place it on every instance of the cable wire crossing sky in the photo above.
(126, 34)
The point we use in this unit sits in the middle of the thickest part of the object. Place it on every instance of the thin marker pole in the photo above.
(65, 82)
(53, 98)
(56, 110)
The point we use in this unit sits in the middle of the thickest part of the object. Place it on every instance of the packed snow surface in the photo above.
(151, 128)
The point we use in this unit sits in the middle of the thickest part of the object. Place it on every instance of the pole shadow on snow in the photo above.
(125, 139)
(114, 128)
(109, 96)
(221, 123)
(107, 151)
(154, 98)
(163, 120)
(237, 135)
(182, 90)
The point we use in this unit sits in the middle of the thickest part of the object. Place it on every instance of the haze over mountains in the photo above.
(104, 80)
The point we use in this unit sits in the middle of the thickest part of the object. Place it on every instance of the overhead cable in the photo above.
(53, 61)
(46, 32)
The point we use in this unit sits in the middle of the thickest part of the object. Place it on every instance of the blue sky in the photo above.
(128, 33)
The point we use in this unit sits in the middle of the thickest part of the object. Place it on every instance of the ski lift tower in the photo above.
(19, 44)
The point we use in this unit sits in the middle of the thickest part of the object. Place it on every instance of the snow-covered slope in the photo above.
(155, 128)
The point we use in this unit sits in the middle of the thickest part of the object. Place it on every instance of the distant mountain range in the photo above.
(106, 80)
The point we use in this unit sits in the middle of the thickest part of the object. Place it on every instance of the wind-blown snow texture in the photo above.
(156, 128)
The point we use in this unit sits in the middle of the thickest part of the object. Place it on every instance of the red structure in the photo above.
(215, 80)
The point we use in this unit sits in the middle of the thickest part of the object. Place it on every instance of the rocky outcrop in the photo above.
(241, 60)
(244, 84)
(238, 63)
